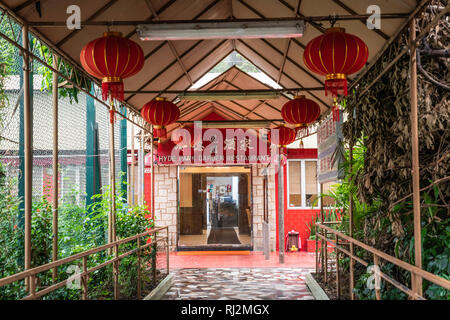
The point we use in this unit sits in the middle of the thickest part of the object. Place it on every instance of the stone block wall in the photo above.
(258, 172)
(166, 203)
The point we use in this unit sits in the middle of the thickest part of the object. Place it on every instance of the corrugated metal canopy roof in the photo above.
(176, 65)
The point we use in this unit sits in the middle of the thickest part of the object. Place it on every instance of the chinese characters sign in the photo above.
(215, 146)
(329, 137)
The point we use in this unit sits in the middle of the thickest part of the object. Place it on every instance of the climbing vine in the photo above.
(380, 119)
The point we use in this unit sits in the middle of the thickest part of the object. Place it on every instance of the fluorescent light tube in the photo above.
(288, 28)
(210, 96)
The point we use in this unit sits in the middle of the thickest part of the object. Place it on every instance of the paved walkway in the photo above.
(239, 284)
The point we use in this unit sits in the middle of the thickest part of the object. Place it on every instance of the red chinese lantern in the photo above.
(300, 112)
(335, 54)
(112, 58)
(285, 136)
(160, 113)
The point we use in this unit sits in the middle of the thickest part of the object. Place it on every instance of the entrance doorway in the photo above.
(214, 208)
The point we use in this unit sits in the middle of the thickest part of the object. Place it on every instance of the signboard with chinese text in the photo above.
(329, 140)
(216, 146)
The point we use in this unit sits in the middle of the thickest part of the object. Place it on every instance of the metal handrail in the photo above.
(31, 273)
(444, 283)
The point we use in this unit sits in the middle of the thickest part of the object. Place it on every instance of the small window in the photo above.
(311, 183)
(295, 183)
(303, 189)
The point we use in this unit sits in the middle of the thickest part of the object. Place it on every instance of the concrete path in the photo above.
(239, 284)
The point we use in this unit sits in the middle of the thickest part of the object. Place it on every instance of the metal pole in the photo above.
(152, 171)
(319, 252)
(350, 223)
(141, 169)
(55, 167)
(28, 149)
(416, 280)
(133, 174)
(338, 282)
(280, 209)
(112, 175)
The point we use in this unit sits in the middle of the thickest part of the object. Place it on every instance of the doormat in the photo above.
(223, 236)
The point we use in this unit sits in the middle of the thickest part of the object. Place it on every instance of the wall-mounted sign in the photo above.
(330, 155)
(216, 146)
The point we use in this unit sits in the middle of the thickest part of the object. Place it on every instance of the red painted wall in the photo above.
(296, 219)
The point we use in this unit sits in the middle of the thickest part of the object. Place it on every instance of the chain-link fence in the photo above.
(83, 172)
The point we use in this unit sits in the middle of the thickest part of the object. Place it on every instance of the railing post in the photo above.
(281, 244)
(322, 256)
(317, 249)
(116, 273)
(138, 266)
(416, 280)
(325, 255)
(28, 148)
(350, 222)
(167, 253)
(153, 257)
(55, 185)
(377, 277)
(32, 285)
(84, 280)
(338, 282)
(112, 175)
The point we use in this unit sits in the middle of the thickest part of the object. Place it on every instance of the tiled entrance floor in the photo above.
(239, 284)
(254, 260)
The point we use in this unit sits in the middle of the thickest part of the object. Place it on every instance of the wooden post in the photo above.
(317, 250)
(377, 277)
(55, 185)
(167, 251)
(84, 280)
(350, 223)
(325, 253)
(415, 279)
(280, 209)
(133, 174)
(139, 269)
(338, 282)
(116, 273)
(112, 175)
(28, 152)
(32, 285)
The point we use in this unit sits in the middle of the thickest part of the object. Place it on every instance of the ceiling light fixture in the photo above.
(238, 29)
(220, 96)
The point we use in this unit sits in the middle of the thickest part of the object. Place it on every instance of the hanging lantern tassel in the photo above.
(302, 130)
(336, 83)
(160, 132)
(335, 111)
(301, 144)
(113, 88)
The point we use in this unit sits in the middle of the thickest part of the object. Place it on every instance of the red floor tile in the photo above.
(254, 260)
